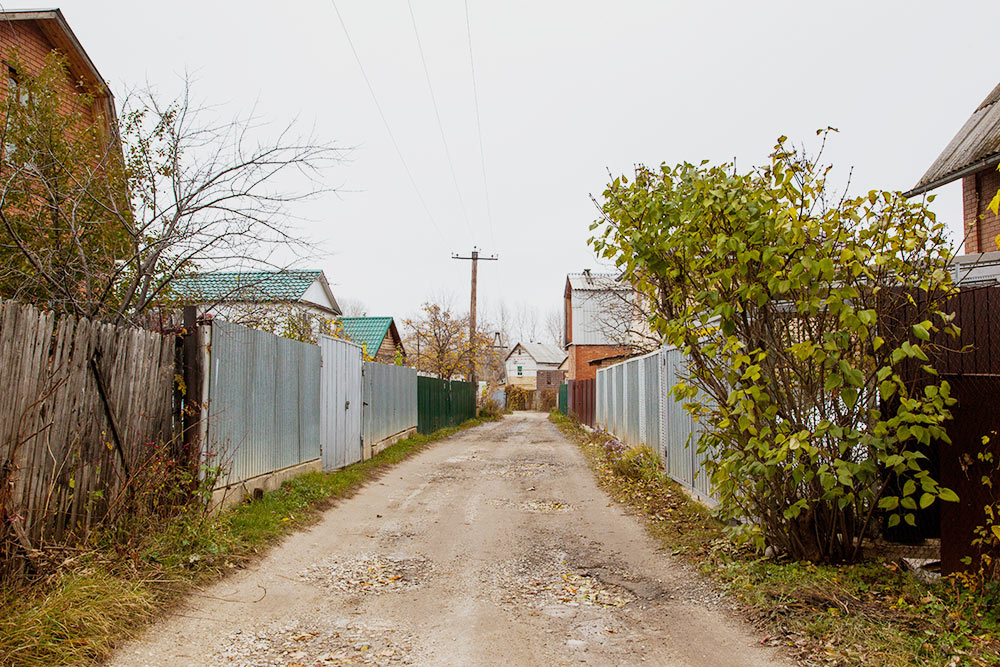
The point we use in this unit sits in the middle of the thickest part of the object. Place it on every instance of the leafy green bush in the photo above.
(809, 319)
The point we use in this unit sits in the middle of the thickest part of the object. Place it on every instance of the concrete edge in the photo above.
(237, 492)
(371, 450)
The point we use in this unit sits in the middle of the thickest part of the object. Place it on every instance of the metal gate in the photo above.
(340, 402)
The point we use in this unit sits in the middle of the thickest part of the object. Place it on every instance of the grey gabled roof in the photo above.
(975, 147)
(594, 281)
(542, 353)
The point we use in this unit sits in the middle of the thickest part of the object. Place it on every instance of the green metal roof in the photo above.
(245, 286)
(367, 331)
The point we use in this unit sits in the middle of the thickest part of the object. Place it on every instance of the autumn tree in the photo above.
(808, 319)
(438, 343)
(99, 223)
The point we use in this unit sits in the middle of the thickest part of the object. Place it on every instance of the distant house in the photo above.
(526, 363)
(598, 321)
(973, 156)
(377, 335)
(299, 304)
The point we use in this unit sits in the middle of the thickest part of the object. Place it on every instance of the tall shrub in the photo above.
(808, 320)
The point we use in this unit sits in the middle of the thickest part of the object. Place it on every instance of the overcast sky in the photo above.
(567, 91)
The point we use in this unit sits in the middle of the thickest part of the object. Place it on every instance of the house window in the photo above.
(519, 368)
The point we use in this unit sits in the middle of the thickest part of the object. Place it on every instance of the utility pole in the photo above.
(472, 310)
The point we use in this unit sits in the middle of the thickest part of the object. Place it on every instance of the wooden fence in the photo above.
(82, 404)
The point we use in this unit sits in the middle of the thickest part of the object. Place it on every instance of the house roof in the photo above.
(594, 281)
(55, 28)
(975, 147)
(542, 353)
(368, 331)
(255, 286)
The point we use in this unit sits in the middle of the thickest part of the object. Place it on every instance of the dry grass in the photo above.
(109, 592)
(869, 613)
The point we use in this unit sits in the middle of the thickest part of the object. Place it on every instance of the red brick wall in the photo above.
(24, 41)
(981, 225)
(580, 357)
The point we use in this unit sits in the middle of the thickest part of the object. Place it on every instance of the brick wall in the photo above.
(549, 379)
(24, 41)
(580, 357)
(981, 225)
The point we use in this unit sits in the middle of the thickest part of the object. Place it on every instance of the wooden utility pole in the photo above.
(472, 310)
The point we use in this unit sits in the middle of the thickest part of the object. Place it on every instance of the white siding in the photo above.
(528, 366)
(590, 318)
(316, 294)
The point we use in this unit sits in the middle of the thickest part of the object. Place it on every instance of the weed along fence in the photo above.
(87, 408)
(263, 411)
(84, 406)
(634, 404)
(389, 402)
(442, 403)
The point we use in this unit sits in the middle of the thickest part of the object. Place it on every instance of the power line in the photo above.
(479, 126)
(437, 114)
(385, 121)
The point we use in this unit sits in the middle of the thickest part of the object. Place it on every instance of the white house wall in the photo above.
(589, 318)
(316, 294)
(529, 368)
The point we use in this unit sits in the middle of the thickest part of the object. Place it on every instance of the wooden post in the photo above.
(194, 376)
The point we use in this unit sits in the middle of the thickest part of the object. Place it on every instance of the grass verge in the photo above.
(869, 613)
(110, 589)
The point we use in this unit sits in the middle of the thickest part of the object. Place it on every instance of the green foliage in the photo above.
(868, 613)
(64, 193)
(809, 321)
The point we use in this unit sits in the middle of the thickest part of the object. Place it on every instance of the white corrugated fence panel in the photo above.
(340, 402)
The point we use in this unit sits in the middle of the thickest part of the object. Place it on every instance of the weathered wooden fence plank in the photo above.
(62, 462)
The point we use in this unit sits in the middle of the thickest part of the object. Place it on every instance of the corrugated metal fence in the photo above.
(634, 404)
(389, 394)
(341, 406)
(263, 410)
(442, 403)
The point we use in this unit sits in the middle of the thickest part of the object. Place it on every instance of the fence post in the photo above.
(193, 369)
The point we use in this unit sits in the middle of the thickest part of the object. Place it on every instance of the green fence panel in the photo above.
(441, 403)
(463, 402)
(564, 398)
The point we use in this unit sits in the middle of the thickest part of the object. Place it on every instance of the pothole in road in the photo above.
(521, 469)
(369, 573)
(542, 506)
(312, 644)
(545, 578)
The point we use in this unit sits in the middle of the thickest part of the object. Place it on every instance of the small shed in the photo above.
(378, 336)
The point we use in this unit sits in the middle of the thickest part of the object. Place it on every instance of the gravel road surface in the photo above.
(493, 547)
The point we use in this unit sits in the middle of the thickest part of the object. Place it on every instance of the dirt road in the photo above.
(493, 547)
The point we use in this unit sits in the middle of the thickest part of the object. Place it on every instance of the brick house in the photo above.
(27, 37)
(973, 156)
(597, 321)
(378, 335)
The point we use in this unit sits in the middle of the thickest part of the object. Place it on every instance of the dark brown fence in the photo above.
(81, 404)
(974, 376)
(582, 399)
(971, 365)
